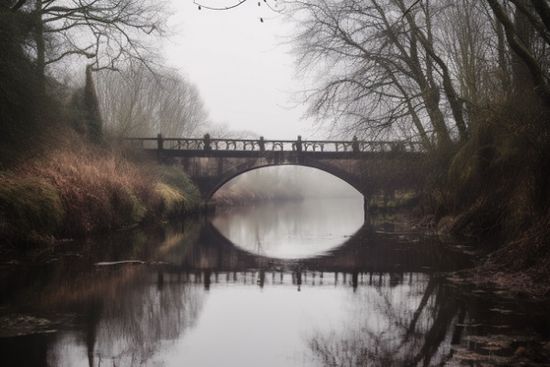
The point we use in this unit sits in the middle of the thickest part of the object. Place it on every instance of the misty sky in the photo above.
(242, 67)
(309, 182)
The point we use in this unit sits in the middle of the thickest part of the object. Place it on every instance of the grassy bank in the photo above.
(82, 190)
(495, 189)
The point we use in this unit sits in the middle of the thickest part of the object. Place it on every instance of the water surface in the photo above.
(291, 229)
(295, 284)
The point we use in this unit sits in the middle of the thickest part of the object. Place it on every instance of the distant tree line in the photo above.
(139, 103)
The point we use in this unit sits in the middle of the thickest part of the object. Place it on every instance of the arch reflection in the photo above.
(292, 229)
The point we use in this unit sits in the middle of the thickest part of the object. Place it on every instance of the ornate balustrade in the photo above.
(262, 145)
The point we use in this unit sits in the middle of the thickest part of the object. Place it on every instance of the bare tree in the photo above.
(136, 102)
(107, 33)
(528, 16)
(427, 41)
(427, 67)
(379, 67)
(473, 45)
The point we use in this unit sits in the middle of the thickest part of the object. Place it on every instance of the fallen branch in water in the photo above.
(123, 262)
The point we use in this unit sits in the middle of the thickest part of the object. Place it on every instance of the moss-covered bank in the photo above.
(77, 192)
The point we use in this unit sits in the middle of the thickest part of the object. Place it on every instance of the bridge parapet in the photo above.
(261, 145)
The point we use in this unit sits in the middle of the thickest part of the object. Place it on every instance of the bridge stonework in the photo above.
(368, 166)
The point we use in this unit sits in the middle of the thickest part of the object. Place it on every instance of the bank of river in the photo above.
(291, 284)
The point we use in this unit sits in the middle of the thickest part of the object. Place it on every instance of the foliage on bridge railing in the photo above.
(260, 145)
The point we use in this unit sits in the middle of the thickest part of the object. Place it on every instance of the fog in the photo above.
(288, 182)
(243, 67)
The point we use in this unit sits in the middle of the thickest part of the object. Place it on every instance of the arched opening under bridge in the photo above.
(288, 211)
(286, 182)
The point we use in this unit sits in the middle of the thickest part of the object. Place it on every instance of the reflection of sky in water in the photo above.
(243, 325)
(203, 316)
(292, 229)
(208, 307)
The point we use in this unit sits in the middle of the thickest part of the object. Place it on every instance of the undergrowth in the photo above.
(29, 207)
(78, 191)
(496, 187)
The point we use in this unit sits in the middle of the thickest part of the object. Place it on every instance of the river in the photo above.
(277, 284)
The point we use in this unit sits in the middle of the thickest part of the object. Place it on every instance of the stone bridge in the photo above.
(368, 166)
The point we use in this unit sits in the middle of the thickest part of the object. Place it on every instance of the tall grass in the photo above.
(29, 208)
(76, 191)
(99, 191)
(178, 193)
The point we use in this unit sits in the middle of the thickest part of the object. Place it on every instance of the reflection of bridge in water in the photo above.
(300, 277)
(368, 166)
(368, 257)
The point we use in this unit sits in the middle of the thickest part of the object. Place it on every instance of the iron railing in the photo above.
(260, 145)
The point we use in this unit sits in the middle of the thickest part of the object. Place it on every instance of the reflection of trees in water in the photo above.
(404, 325)
(121, 313)
(126, 314)
(130, 330)
(127, 328)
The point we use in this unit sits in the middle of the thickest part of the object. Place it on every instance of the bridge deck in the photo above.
(167, 153)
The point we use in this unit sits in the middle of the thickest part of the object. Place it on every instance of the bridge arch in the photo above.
(208, 190)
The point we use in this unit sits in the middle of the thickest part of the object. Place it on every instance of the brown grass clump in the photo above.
(29, 208)
(99, 191)
(171, 199)
(177, 194)
(74, 191)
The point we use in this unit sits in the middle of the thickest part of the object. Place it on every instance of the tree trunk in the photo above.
(415, 118)
(430, 95)
(429, 92)
(521, 77)
(502, 62)
(543, 9)
(522, 52)
(452, 96)
(40, 47)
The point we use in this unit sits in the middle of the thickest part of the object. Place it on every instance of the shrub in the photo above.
(100, 190)
(28, 206)
(174, 178)
(130, 208)
(172, 200)
(77, 191)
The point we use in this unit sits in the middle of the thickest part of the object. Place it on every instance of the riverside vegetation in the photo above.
(60, 174)
(79, 191)
(469, 79)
